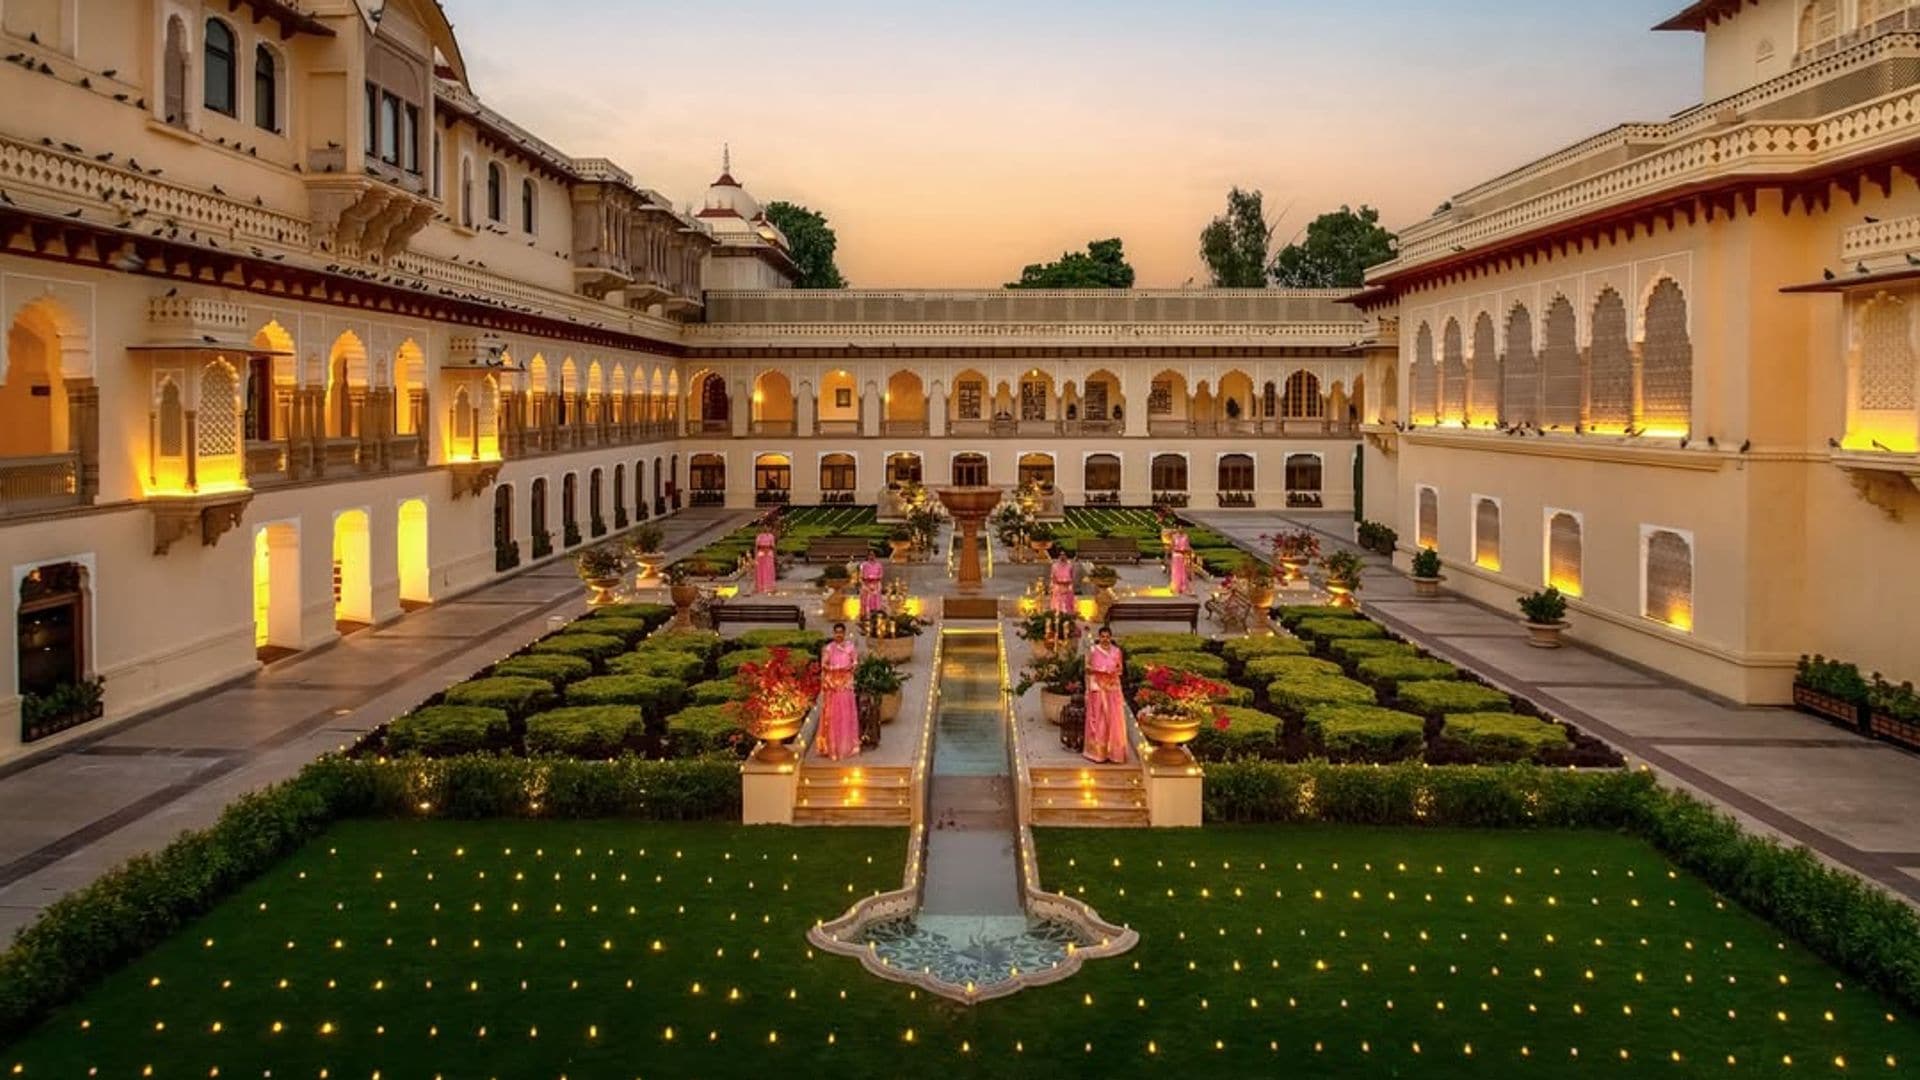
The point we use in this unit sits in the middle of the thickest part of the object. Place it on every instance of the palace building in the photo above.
(300, 333)
(1671, 368)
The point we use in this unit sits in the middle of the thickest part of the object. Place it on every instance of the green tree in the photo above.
(1101, 266)
(811, 242)
(1234, 245)
(1336, 251)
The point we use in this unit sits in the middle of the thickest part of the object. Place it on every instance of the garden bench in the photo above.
(1109, 549)
(838, 548)
(1178, 611)
(725, 611)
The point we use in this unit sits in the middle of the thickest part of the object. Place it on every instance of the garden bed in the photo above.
(798, 526)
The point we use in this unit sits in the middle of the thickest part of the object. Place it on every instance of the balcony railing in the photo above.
(45, 482)
(836, 427)
(340, 454)
(709, 427)
(904, 427)
(266, 461)
(773, 427)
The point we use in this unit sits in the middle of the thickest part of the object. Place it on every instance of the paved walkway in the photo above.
(1853, 800)
(82, 808)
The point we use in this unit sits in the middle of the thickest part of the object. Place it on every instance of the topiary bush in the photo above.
(1292, 615)
(519, 696)
(1294, 695)
(629, 631)
(1352, 650)
(1243, 650)
(1161, 643)
(806, 641)
(1336, 629)
(1441, 697)
(588, 732)
(706, 729)
(730, 664)
(1392, 671)
(445, 730)
(555, 668)
(594, 647)
(1249, 733)
(659, 663)
(1266, 669)
(658, 696)
(654, 615)
(716, 692)
(702, 643)
(1197, 663)
(1365, 733)
(1501, 736)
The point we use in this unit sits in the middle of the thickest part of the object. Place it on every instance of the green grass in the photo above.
(1265, 951)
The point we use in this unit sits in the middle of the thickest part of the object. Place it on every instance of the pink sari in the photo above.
(1177, 561)
(839, 713)
(873, 573)
(1106, 706)
(764, 569)
(1061, 601)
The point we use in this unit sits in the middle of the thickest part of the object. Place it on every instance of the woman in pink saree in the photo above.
(1060, 597)
(1177, 560)
(765, 570)
(873, 573)
(839, 713)
(1106, 703)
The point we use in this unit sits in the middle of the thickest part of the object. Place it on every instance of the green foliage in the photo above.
(1352, 649)
(706, 729)
(1197, 663)
(1269, 668)
(1234, 245)
(716, 692)
(1101, 266)
(1324, 629)
(591, 646)
(1395, 670)
(1832, 678)
(730, 663)
(659, 663)
(443, 730)
(1412, 794)
(1292, 615)
(1296, 694)
(874, 676)
(1897, 701)
(1444, 697)
(656, 694)
(628, 631)
(1343, 568)
(518, 695)
(1377, 537)
(1503, 736)
(1366, 733)
(1160, 643)
(1546, 606)
(706, 644)
(1246, 649)
(800, 641)
(1425, 564)
(811, 242)
(1336, 251)
(588, 731)
(1249, 733)
(555, 668)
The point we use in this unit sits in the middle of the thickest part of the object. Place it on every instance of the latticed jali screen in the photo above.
(1666, 364)
(1610, 372)
(1564, 556)
(1560, 368)
(1484, 381)
(1670, 579)
(1521, 372)
(1427, 523)
(1486, 534)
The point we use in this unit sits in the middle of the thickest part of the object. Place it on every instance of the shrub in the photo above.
(1296, 694)
(1249, 733)
(729, 664)
(1503, 736)
(706, 729)
(658, 696)
(1268, 668)
(594, 647)
(1353, 649)
(518, 695)
(1832, 678)
(654, 615)
(1544, 607)
(1294, 614)
(1898, 702)
(556, 668)
(1442, 697)
(1425, 563)
(588, 731)
(1365, 732)
(702, 643)
(1161, 643)
(628, 631)
(716, 692)
(1246, 649)
(1237, 695)
(1394, 670)
(660, 663)
(444, 730)
(1324, 629)
(1412, 794)
(1195, 663)
(805, 641)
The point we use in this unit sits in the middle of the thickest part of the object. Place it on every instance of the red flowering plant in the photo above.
(1299, 545)
(778, 689)
(1182, 694)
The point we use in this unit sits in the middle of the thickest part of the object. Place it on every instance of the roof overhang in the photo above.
(1704, 13)
(1849, 282)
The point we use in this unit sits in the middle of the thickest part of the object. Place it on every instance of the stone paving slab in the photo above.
(230, 720)
(1655, 713)
(54, 798)
(1862, 794)
(1550, 667)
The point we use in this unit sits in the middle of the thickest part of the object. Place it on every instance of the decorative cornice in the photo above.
(1605, 448)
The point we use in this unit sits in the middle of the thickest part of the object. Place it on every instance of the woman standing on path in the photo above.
(873, 574)
(765, 568)
(1179, 555)
(839, 712)
(1060, 600)
(1106, 703)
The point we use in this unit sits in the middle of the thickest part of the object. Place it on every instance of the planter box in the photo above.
(1901, 732)
(1835, 710)
(895, 650)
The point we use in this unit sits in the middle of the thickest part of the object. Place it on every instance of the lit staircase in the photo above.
(853, 794)
(1089, 796)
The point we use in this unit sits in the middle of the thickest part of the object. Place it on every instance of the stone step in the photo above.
(1090, 817)
(853, 815)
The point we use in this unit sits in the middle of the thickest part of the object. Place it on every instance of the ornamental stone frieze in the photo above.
(212, 516)
(197, 322)
(360, 217)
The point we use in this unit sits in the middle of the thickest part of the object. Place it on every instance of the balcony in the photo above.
(44, 482)
(266, 462)
(773, 427)
(709, 427)
(837, 427)
(903, 427)
(1113, 428)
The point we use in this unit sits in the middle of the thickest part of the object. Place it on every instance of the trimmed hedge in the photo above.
(660, 664)
(1269, 668)
(1197, 663)
(587, 731)
(444, 730)
(556, 668)
(628, 631)
(518, 695)
(595, 647)
(1440, 697)
(1149, 642)
(1249, 733)
(1504, 736)
(730, 664)
(658, 696)
(1335, 629)
(1247, 649)
(806, 641)
(1295, 695)
(654, 615)
(716, 692)
(1293, 614)
(1366, 733)
(706, 729)
(1355, 649)
(702, 643)
(1394, 670)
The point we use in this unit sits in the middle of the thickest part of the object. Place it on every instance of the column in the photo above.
(1136, 391)
(936, 409)
(805, 409)
(870, 411)
(83, 433)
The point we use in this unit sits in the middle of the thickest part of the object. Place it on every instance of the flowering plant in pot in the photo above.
(891, 636)
(643, 546)
(1293, 549)
(1171, 708)
(880, 680)
(1343, 576)
(1256, 576)
(1425, 571)
(1049, 632)
(1546, 615)
(1060, 677)
(779, 692)
(600, 566)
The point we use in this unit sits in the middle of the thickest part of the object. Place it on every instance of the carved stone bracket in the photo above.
(1386, 441)
(473, 477)
(177, 517)
(361, 217)
(1891, 484)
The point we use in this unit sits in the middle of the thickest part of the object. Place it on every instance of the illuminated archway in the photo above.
(409, 389)
(903, 468)
(352, 570)
(772, 478)
(276, 586)
(839, 400)
(1037, 468)
(773, 409)
(416, 574)
(905, 403)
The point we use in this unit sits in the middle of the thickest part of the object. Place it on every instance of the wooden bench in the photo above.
(724, 612)
(1186, 611)
(838, 548)
(1109, 549)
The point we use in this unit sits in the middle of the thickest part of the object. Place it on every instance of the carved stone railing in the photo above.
(266, 462)
(1894, 236)
(42, 482)
(1329, 334)
(836, 427)
(773, 427)
(903, 427)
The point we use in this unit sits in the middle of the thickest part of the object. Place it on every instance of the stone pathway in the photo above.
(79, 809)
(1852, 800)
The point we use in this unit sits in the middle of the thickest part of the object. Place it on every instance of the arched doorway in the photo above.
(659, 489)
(838, 412)
(640, 490)
(276, 589)
(715, 409)
(772, 480)
(1037, 469)
(1102, 479)
(51, 642)
(1304, 478)
(673, 480)
(596, 518)
(542, 536)
(707, 479)
(773, 404)
(839, 478)
(352, 571)
(506, 550)
(620, 496)
(903, 468)
(570, 509)
(416, 574)
(906, 404)
(970, 470)
(1234, 476)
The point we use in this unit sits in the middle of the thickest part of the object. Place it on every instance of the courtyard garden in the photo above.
(799, 525)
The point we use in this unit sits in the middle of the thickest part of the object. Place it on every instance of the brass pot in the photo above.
(773, 736)
(1170, 736)
(902, 549)
(601, 590)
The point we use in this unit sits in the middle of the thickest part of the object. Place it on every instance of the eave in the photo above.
(1848, 282)
(1704, 13)
(290, 18)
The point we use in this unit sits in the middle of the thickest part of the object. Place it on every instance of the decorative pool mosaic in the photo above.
(976, 951)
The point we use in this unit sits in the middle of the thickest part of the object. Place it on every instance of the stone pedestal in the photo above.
(767, 792)
(1173, 795)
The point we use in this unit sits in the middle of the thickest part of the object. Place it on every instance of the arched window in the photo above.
(1169, 472)
(174, 89)
(1885, 382)
(1425, 379)
(266, 89)
(1566, 560)
(506, 555)
(1235, 473)
(970, 470)
(839, 473)
(1036, 469)
(496, 180)
(1453, 376)
(217, 431)
(1427, 518)
(1668, 569)
(220, 63)
(1302, 398)
(706, 476)
(1305, 476)
(1819, 24)
(1102, 472)
(526, 205)
(620, 496)
(1666, 365)
(539, 512)
(595, 518)
(466, 192)
(1610, 373)
(1486, 533)
(570, 508)
(1520, 372)
(436, 165)
(1560, 368)
(173, 420)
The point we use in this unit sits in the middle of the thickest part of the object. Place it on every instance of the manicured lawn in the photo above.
(526, 949)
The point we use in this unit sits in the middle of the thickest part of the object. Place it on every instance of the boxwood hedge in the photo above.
(1246, 649)
(444, 730)
(1269, 668)
(706, 729)
(658, 696)
(1365, 733)
(807, 641)
(716, 692)
(1397, 670)
(518, 695)
(1294, 695)
(1503, 736)
(660, 663)
(1440, 697)
(1335, 629)
(593, 647)
(1197, 663)
(1249, 733)
(555, 668)
(1354, 649)
(588, 731)
(1147, 642)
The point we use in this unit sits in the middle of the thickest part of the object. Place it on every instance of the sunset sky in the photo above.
(951, 144)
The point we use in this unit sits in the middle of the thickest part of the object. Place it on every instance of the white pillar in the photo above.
(870, 411)
(937, 409)
(805, 409)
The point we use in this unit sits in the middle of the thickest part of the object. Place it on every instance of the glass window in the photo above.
(266, 89)
(373, 118)
(410, 139)
(389, 129)
(526, 205)
(1169, 472)
(494, 180)
(220, 65)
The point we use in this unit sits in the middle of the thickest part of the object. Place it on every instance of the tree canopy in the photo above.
(1234, 245)
(1335, 252)
(1101, 266)
(811, 242)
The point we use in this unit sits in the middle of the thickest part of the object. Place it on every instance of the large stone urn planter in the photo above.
(1169, 736)
(898, 650)
(773, 736)
(683, 600)
(1052, 704)
(600, 590)
(889, 706)
(1427, 587)
(1545, 635)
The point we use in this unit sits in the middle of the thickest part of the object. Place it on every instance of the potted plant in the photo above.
(1894, 712)
(879, 680)
(1048, 632)
(891, 637)
(600, 567)
(1256, 575)
(1831, 690)
(644, 544)
(1425, 571)
(900, 539)
(66, 705)
(1376, 537)
(1293, 549)
(1060, 678)
(1103, 578)
(1040, 538)
(779, 691)
(1546, 615)
(835, 578)
(1343, 577)
(683, 591)
(1171, 706)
